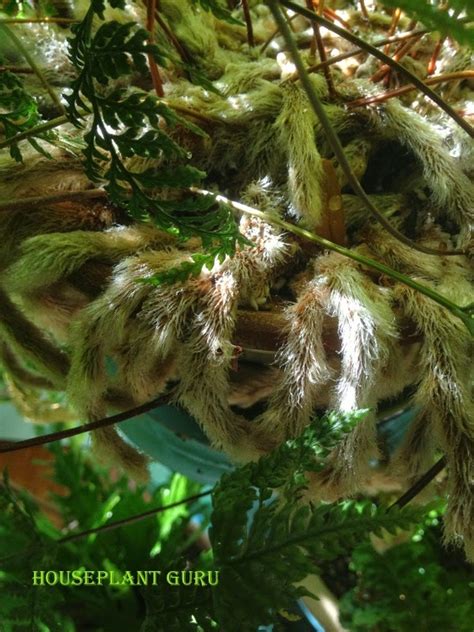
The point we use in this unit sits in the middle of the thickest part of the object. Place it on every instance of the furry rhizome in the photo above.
(78, 306)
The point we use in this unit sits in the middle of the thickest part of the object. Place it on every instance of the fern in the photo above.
(393, 588)
(132, 124)
(179, 608)
(18, 112)
(265, 541)
(22, 549)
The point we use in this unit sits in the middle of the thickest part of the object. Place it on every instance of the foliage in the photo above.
(27, 541)
(23, 606)
(18, 112)
(265, 538)
(265, 541)
(129, 124)
(415, 585)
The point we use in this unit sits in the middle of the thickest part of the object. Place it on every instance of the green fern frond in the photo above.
(178, 608)
(265, 541)
(18, 113)
(135, 124)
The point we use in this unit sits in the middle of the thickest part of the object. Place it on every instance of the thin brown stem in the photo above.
(380, 98)
(318, 42)
(363, 10)
(154, 71)
(14, 446)
(309, 4)
(323, 57)
(434, 57)
(332, 15)
(131, 519)
(55, 198)
(393, 25)
(350, 37)
(420, 484)
(248, 22)
(172, 38)
(399, 54)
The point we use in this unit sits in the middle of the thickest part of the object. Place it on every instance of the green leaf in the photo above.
(410, 586)
(18, 112)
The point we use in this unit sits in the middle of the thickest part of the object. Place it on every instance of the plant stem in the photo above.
(434, 57)
(420, 484)
(182, 52)
(309, 5)
(61, 120)
(363, 10)
(154, 71)
(398, 55)
(274, 34)
(384, 96)
(357, 41)
(322, 52)
(14, 446)
(248, 22)
(334, 141)
(330, 13)
(34, 131)
(55, 198)
(37, 70)
(393, 25)
(131, 519)
(358, 50)
(19, 70)
(465, 314)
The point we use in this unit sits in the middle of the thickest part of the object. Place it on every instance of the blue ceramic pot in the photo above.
(172, 437)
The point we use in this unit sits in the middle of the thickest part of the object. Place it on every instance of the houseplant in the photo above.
(146, 282)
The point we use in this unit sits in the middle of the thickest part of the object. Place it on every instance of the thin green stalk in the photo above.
(357, 41)
(35, 131)
(37, 70)
(109, 526)
(334, 141)
(466, 314)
